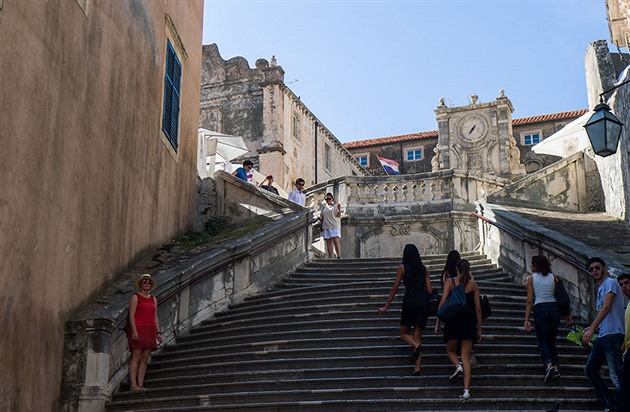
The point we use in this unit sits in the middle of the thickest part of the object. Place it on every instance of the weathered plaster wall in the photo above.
(87, 180)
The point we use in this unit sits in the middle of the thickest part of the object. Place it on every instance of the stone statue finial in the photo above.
(473, 99)
(442, 102)
(274, 62)
(435, 161)
(501, 94)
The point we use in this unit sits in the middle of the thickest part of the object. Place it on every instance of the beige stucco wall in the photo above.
(87, 179)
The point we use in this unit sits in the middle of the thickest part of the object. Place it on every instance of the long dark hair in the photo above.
(451, 260)
(541, 264)
(464, 268)
(411, 257)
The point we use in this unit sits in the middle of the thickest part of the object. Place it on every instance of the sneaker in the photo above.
(458, 372)
(548, 374)
(556, 373)
(465, 395)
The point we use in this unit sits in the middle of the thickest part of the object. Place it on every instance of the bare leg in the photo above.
(451, 352)
(136, 355)
(417, 336)
(337, 246)
(466, 350)
(142, 368)
(407, 338)
(329, 248)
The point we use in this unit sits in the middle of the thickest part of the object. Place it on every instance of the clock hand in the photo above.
(473, 128)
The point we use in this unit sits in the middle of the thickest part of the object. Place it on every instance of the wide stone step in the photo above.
(315, 342)
(434, 396)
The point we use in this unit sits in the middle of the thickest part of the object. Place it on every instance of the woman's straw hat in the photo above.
(146, 276)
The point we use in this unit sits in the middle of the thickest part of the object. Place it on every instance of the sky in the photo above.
(370, 69)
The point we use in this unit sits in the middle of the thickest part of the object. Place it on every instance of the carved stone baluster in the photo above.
(395, 194)
(405, 193)
(385, 193)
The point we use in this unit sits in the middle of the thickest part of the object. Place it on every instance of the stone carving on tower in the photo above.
(478, 137)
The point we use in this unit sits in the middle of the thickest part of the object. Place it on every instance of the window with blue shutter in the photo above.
(172, 83)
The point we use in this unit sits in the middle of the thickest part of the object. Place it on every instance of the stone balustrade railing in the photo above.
(404, 192)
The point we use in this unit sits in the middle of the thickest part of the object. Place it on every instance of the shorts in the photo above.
(331, 233)
(413, 315)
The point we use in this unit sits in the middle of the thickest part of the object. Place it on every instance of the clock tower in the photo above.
(478, 137)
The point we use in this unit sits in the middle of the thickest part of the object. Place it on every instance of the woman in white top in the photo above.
(331, 225)
(541, 286)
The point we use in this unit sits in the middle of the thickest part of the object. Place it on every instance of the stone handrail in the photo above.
(96, 356)
(511, 241)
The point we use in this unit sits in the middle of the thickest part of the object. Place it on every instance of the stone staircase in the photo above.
(316, 342)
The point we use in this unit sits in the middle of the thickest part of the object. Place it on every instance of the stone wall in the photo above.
(614, 170)
(88, 178)
(283, 136)
(563, 186)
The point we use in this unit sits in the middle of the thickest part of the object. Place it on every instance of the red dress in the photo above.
(145, 324)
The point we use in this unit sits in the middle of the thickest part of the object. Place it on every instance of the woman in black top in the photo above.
(415, 308)
(450, 271)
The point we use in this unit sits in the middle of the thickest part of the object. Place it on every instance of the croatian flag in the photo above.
(390, 166)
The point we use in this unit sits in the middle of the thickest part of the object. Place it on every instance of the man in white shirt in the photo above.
(296, 195)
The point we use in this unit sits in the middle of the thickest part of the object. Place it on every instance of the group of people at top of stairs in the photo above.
(462, 330)
(330, 212)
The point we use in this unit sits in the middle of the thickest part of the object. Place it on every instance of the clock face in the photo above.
(472, 128)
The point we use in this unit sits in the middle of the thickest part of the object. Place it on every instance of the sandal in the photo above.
(416, 353)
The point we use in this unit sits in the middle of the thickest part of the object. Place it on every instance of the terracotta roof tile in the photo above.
(548, 117)
(392, 139)
(434, 133)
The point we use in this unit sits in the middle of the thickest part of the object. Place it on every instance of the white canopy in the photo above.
(572, 138)
(215, 149)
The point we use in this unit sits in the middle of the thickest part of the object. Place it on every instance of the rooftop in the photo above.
(434, 133)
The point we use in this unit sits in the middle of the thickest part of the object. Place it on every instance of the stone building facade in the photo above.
(89, 176)
(283, 136)
(415, 151)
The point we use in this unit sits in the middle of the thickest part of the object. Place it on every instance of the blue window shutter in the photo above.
(172, 83)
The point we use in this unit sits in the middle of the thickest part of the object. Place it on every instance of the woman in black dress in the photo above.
(415, 307)
(465, 328)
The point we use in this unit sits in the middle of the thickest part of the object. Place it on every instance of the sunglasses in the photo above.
(300, 184)
(329, 198)
(594, 268)
(146, 281)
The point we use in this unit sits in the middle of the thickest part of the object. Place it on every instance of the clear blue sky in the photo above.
(371, 69)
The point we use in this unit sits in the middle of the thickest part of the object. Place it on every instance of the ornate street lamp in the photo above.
(604, 128)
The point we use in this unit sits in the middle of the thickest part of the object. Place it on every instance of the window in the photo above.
(172, 84)
(296, 126)
(414, 154)
(327, 159)
(528, 139)
(363, 159)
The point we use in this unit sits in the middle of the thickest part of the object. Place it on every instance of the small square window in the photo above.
(414, 154)
(363, 160)
(529, 139)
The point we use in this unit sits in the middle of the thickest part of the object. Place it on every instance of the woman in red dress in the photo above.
(144, 327)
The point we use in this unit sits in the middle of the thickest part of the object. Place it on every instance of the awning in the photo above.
(572, 138)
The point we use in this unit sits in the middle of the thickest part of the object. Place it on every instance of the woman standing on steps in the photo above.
(144, 330)
(465, 328)
(541, 286)
(330, 216)
(415, 307)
